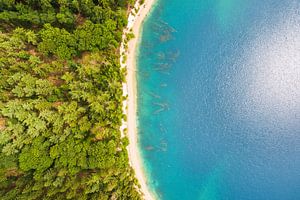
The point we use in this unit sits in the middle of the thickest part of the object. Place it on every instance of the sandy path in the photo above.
(129, 106)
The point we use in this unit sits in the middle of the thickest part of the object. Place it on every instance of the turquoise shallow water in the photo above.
(219, 99)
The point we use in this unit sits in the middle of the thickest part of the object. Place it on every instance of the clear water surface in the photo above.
(219, 99)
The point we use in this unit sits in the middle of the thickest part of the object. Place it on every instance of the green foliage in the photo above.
(57, 41)
(90, 36)
(35, 156)
(61, 101)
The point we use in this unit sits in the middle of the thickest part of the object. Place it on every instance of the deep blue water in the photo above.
(219, 99)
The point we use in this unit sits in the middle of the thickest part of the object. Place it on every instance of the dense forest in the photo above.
(61, 100)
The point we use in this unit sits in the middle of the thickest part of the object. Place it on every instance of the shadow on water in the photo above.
(154, 69)
(162, 30)
(213, 182)
(162, 147)
(162, 107)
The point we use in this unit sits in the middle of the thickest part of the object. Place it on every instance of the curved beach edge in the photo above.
(128, 61)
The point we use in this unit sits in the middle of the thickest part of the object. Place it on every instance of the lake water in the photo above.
(219, 99)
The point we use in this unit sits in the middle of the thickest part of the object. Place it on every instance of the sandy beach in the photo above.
(135, 22)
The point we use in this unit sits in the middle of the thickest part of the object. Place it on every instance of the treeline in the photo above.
(61, 101)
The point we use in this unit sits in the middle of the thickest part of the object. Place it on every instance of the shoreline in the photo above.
(135, 22)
